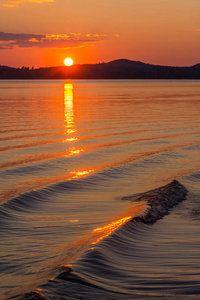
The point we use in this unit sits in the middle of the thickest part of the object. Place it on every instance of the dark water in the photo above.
(72, 153)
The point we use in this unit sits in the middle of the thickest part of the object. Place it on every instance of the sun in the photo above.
(68, 61)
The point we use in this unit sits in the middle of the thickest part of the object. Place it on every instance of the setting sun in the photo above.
(68, 61)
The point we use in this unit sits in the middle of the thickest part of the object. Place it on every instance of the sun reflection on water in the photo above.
(108, 229)
(69, 108)
(75, 249)
(74, 151)
(69, 123)
(77, 174)
(68, 140)
(102, 232)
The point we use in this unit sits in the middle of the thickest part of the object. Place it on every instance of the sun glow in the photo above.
(68, 61)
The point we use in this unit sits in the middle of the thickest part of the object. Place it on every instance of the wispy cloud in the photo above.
(14, 3)
(71, 40)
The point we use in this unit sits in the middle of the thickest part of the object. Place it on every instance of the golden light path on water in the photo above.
(69, 127)
(104, 231)
(69, 109)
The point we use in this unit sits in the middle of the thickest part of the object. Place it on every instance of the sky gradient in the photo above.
(43, 33)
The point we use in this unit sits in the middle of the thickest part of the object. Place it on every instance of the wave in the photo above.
(160, 200)
(37, 142)
(41, 163)
(125, 263)
(46, 156)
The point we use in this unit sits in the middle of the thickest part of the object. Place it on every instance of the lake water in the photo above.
(72, 154)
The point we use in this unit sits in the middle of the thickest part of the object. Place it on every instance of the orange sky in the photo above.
(43, 32)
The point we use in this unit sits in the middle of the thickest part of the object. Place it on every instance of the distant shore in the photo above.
(117, 69)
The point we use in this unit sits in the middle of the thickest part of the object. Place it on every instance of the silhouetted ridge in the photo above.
(124, 62)
(196, 66)
(116, 69)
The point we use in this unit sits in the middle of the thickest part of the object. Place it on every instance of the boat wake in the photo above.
(133, 260)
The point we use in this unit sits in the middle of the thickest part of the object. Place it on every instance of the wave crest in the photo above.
(160, 201)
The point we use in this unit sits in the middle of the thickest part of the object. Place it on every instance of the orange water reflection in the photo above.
(74, 151)
(68, 140)
(69, 123)
(108, 229)
(77, 174)
(69, 109)
(101, 232)
(75, 249)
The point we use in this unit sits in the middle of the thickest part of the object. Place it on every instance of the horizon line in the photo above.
(115, 60)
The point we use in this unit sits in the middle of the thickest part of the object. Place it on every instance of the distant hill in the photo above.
(116, 69)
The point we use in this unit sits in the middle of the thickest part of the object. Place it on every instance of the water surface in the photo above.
(70, 151)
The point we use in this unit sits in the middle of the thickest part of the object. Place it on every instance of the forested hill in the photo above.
(117, 69)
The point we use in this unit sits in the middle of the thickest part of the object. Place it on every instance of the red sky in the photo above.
(43, 33)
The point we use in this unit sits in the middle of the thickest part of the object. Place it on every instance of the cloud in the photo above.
(14, 3)
(71, 40)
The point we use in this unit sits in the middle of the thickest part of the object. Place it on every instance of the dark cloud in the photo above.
(23, 40)
(19, 36)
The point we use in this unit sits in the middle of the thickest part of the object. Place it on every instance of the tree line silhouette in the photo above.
(117, 69)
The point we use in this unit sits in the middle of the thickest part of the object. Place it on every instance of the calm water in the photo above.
(70, 152)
